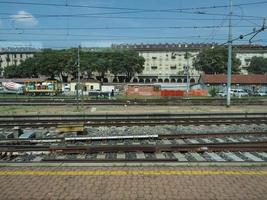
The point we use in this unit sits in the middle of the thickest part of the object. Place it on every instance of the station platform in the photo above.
(138, 183)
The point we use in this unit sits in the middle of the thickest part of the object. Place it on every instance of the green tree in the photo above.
(214, 61)
(213, 91)
(29, 68)
(258, 65)
(133, 64)
(12, 71)
(128, 63)
(62, 63)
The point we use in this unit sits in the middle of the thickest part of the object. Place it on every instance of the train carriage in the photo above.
(42, 88)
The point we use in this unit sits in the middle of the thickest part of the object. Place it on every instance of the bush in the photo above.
(213, 91)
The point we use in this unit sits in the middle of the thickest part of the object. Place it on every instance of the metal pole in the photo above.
(78, 78)
(187, 76)
(79, 59)
(229, 64)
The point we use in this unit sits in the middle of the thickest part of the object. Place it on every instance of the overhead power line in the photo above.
(222, 14)
(112, 36)
(124, 10)
(130, 9)
(109, 13)
(86, 15)
(127, 27)
(253, 33)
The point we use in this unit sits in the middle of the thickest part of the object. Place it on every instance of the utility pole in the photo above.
(82, 85)
(187, 74)
(229, 64)
(78, 77)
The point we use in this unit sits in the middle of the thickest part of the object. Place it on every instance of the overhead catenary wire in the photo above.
(139, 10)
(84, 15)
(254, 32)
(109, 36)
(100, 15)
(200, 11)
(129, 27)
(130, 9)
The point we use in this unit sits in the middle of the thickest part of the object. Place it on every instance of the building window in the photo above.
(91, 87)
(173, 67)
(154, 67)
(154, 58)
(21, 55)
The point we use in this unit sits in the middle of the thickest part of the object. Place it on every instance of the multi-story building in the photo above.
(245, 52)
(164, 63)
(171, 62)
(14, 56)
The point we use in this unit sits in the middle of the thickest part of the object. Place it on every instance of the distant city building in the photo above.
(168, 62)
(14, 56)
(164, 63)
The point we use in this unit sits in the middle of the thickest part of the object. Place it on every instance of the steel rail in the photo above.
(59, 101)
(128, 122)
(131, 137)
(139, 115)
(215, 147)
(146, 160)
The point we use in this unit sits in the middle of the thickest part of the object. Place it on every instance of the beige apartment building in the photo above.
(164, 63)
(168, 63)
(14, 56)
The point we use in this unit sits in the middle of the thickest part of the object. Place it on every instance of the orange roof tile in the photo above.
(236, 79)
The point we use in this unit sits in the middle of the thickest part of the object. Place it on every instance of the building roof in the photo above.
(22, 80)
(236, 79)
(185, 47)
(19, 50)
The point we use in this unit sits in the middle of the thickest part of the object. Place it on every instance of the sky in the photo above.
(100, 23)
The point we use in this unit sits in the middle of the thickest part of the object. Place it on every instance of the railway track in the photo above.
(147, 102)
(162, 138)
(143, 148)
(149, 148)
(133, 119)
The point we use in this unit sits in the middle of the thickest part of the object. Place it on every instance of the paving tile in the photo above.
(131, 186)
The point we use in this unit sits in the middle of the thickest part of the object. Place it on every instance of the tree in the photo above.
(29, 68)
(128, 63)
(25, 69)
(258, 65)
(214, 61)
(62, 63)
(12, 71)
(54, 63)
(133, 64)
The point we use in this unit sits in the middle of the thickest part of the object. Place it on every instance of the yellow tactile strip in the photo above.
(132, 172)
